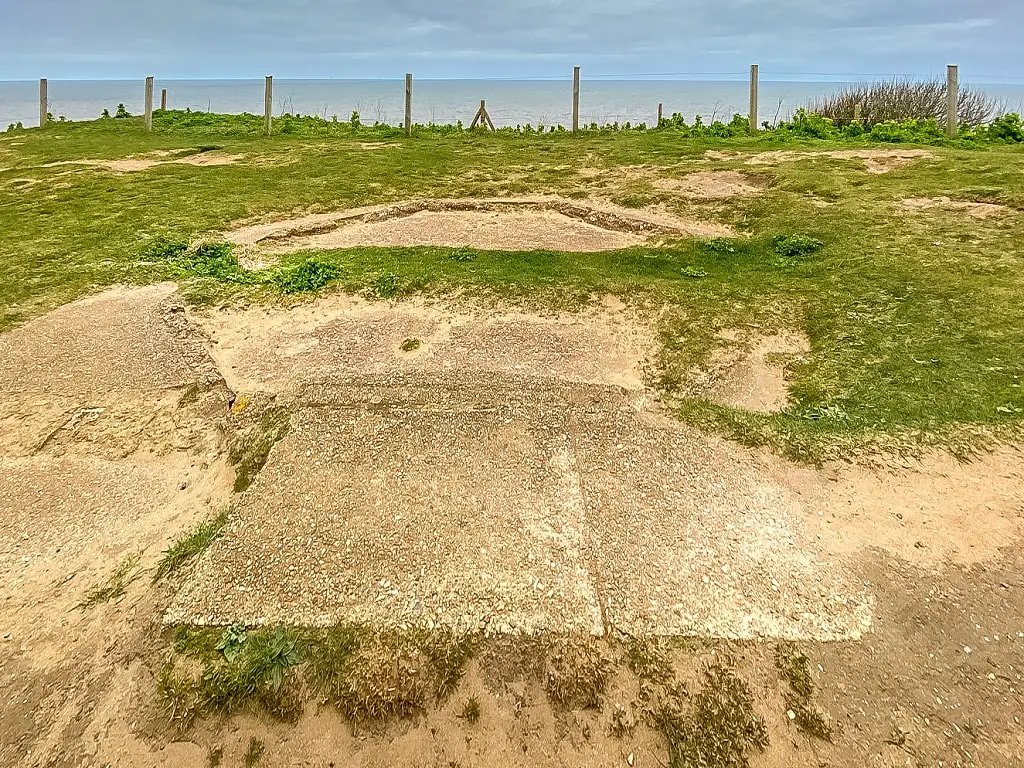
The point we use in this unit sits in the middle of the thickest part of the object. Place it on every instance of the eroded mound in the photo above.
(876, 161)
(149, 160)
(508, 224)
(971, 208)
(713, 185)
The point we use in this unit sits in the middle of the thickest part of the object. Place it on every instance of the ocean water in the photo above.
(509, 102)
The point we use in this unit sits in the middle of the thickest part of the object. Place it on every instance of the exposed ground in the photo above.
(511, 474)
(743, 489)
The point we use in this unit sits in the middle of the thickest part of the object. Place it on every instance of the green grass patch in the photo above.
(190, 546)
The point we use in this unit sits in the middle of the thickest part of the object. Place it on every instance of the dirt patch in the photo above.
(973, 209)
(133, 164)
(750, 373)
(713, 185)
(876, 161)
(498, 223)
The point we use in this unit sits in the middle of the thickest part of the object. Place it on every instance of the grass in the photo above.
(251, 449)
(576, 674)
(721, 730)
(471, 711)
(254, 753)
(794, 670)
(116, 585)
(190, 546)
(915, 319)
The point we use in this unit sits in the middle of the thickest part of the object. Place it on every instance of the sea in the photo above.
(509, 102)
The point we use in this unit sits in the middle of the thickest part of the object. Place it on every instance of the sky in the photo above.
(111, 39)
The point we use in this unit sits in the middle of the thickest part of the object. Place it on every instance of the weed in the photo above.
(722, 728)
(215, 757)
(647, 660)
(180, 695)
(116, 586)
(463, 255)
(719, 245)
(471, 711)
(165, 249)
(259, 673)
(249, 453)
(254, 753)
(694, 272)
(231, 642)
(190, 546)
(385, 285)
(576, 674)
(795, 246)
(410, 345)
(307, 277)
(794, 669)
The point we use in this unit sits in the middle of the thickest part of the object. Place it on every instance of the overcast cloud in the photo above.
(523, 38)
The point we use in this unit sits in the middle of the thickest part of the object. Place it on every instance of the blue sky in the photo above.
(85, 39)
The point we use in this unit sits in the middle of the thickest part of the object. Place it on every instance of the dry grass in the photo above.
(901, 100)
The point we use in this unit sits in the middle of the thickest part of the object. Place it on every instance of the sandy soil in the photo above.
(751, 375)
(418, 487)
(713, 185)
(875, 160)
(497, 223)
(133, 163)
(974, 209)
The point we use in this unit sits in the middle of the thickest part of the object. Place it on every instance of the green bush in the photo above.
(795, 246)
(1008, 127)
(310, 275)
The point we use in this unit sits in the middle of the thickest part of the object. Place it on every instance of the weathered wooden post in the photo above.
(408, 104)
(149, 103)
(753, 97)
(44, 103)
(661, 112)
(857, 112)
(163, 99)
(268, 105)
(575, 99)
(952, 100)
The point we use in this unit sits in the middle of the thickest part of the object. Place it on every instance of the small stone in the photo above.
(791, 715)
(967, 649)
(630, 759)
(183, 486)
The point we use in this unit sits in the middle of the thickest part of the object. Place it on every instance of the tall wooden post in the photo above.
(575, 99)
(149, 103)
(952, 100)
(163, 99)
(408, 104)
(268, 105)
(661, 112)
(754, 76)
(44, 102)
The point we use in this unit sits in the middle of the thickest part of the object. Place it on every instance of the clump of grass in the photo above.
(384, 676)
(646, 659)
(209, 260)
(410, 345)
(792, 247)
(794, 669)
(116, 586)
(307, 277)
(719, 245)
(463, 255)
(254, 753)
(250, 451)
(190, 546)
(255, 669)
(163, 248)
(471, 711)
(385, 285)
(576, 674)
(721, 730)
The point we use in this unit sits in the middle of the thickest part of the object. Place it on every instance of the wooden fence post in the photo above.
(408, 104)
(754, 77)
(857, 112)
(44, 102)
(575, 99)
(163, 99)
(661, 112)
(149, 103)
(268, 105)
(952, 100)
